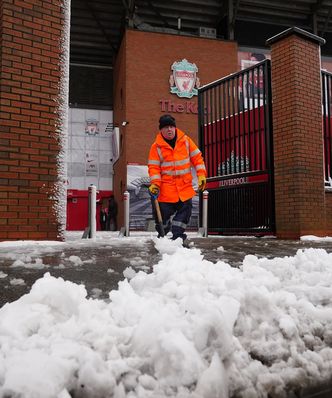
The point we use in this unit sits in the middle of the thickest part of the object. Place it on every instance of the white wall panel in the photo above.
(89, 155)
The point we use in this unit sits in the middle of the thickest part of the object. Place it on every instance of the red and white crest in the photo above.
(184, 80)
(91, 127)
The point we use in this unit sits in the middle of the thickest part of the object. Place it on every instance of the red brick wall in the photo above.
(297, 131)
(146, 60)
(29, 86)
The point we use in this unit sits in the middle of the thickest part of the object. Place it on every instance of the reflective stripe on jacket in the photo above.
(169, 168)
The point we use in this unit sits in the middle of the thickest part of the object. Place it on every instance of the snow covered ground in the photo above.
(191, 328)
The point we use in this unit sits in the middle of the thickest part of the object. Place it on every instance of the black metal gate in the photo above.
(235, 133)
(327, 126)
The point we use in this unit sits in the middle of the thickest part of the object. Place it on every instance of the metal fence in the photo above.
(327, 126)
(235, 135)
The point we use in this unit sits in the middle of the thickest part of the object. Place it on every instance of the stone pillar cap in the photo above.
(296, 31)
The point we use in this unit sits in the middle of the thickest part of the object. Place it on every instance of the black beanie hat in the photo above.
(166, 120)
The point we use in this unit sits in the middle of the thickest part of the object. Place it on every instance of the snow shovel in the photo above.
(159, 217)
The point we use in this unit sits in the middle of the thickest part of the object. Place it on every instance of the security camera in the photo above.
(124, 123)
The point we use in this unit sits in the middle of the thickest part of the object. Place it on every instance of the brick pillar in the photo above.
(33, 46)
(297, 132)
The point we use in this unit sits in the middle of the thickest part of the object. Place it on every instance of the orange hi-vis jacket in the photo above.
(170, 170)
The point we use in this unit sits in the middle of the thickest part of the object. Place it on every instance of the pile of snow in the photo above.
(189, 329)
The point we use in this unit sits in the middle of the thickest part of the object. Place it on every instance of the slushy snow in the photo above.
(189, 329)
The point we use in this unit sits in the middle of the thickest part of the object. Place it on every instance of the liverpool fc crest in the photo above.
(183, 80)
(91, 126)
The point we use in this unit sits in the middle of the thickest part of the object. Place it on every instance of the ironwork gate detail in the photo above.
(235, 133)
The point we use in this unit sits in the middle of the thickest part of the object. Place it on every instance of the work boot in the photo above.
(186, 243)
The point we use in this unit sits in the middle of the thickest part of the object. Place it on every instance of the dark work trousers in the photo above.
(182, 214)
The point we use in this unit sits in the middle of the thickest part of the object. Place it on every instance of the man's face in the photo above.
(168, 132)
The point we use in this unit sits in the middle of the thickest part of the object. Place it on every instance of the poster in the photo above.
(140, 207)
(91, 143)
(251, 86)
(91, 163)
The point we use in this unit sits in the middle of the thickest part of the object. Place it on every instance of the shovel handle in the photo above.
(159, 217)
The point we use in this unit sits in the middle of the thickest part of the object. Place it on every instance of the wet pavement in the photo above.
(100, 267)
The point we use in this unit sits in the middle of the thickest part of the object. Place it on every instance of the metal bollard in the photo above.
(92, 211)
(126, 199)
(90, 231)
(205, 213)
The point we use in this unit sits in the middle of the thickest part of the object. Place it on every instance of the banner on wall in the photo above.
(327, 64)
(115, 137)
(249, 58)
(251, 86)
(91, 163)
(140, 208)
(90, 149)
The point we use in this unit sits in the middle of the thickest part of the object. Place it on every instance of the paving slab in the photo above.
(100, 267)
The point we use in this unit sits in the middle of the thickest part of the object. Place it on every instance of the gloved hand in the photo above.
(154, 190)
(201, 183)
